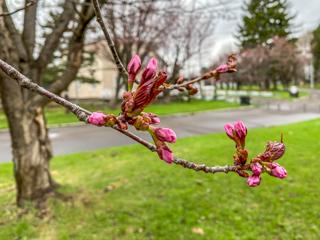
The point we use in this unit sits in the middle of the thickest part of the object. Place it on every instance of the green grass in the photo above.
(317, 85)
(127, 193)
(188, 107)
(58, 116)
(284, 95)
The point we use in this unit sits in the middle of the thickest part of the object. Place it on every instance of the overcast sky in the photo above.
(222, 41)
(307, 18)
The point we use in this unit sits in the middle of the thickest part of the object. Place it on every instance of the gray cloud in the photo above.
(307, 18)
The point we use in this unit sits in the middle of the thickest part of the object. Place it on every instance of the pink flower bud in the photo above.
(126, 95)
(153, 117)
(133, 68)
(140, 123)
(229, 130)
(256, 168)
(150, 71)
(152, 64)
(277, 170)
(155, 120)
(254, 180)
(97, 118)
(165, 135)
(240, 129)
(232, 63)
(275, 150)
(134, 65)
(237, 132)
(165, 153)
(223, 68)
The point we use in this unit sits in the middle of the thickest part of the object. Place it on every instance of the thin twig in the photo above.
(203, 167)
(206, 76)
(82, 114)
(176, 86)
(107, 35)
(229, 67)
(19, 9)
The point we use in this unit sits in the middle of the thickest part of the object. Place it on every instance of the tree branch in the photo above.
(82, 114)
(176, 86)
(229, 67)
(110, 42)
(15, 35)
(53, 39)
(29, 27)
(74, 58)
(29, 4)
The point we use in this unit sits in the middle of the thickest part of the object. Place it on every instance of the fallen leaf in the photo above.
(198, 230)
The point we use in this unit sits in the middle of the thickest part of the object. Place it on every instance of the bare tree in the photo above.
(31, 146)
(139, 27)
(285, 64)
(265, 66)
(173, 31)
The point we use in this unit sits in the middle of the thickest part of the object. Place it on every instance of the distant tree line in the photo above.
(268, 55)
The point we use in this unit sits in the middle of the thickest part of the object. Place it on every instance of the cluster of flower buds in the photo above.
(134, 102)
(100, 119)
(148, 89)
(151, 84)
(261, 163)
(264, 163)
(160, 137)
(238, 132)
(191, 89)
(143, 122)
(228, 67)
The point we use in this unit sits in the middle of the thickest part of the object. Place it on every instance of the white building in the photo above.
(102, 70)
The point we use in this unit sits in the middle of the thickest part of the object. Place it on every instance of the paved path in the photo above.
(83, 138)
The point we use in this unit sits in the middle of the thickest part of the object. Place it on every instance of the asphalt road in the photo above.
(82, 138)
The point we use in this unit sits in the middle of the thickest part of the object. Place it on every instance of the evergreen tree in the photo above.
(316, 52)
(264, 19)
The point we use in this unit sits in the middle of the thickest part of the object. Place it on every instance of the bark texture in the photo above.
(31, 146)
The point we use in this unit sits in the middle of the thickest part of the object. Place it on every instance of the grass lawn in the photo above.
(317, 85)
(284, 95)
(127, 193)
(57, 115)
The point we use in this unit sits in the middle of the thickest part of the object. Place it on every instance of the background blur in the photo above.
(104, 186)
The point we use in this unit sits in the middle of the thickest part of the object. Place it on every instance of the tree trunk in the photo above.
(275, 86)
(215, 91)
(31, 157)
(267, 85)
(31, 147)
(238, 85)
